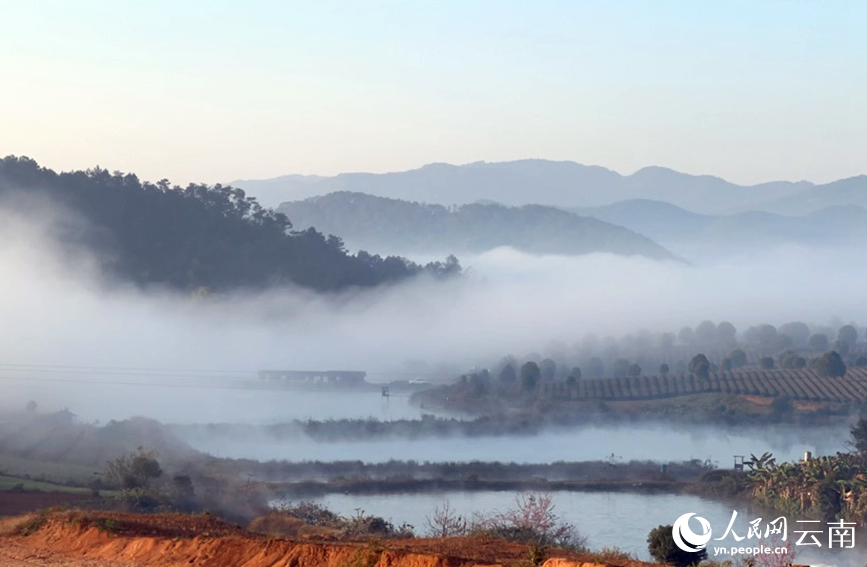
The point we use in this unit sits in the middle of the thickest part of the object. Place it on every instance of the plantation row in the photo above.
(803, 384)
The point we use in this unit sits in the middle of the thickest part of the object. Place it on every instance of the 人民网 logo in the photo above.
(685, 538)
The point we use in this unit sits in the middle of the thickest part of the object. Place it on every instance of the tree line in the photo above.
(199, 237)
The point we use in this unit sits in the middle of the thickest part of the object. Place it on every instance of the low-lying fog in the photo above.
(55, 311)
(614, 443)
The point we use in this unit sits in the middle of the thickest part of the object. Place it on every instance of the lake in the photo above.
(613, 442)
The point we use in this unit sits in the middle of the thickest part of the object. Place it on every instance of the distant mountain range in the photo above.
(679, 229)
(397, 226)
(566, 184)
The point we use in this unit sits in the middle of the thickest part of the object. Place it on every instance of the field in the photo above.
(38, 469)
(27, 485)
(797, 385)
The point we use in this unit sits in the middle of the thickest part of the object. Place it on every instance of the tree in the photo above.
(841, 347)
(663, 369)
(700, 366)
(859, 435)
(595, 367)
(831, 365)
(136, 475)
(799, 332)
(620, 368)
(183, 493)
(705, 333)
(478, 384)
(30, 407)
(548, 368)
(848, 334)
(762, 335)
(660, 544)
(818, 342)
(738, 358)
(533, 520)
(508, 375)
(634, 370)
(781, 406)
(445, 522)
(686, 336)
(530, 375)
(726, 333)
(726, 364)
(766, 363)
(792, 361)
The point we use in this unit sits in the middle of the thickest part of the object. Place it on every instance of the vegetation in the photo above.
(193, 238)
(661, 546)
(831, 365)
(831, 487)
(762, 361)
(17, 484)
(359, 526)
(532, 520)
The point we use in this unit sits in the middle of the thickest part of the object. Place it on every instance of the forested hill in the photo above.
(411, 228)
(193, 237)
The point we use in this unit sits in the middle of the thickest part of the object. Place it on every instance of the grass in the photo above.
(45, 470)
(107, 525)
(17, 483)
(32, 524)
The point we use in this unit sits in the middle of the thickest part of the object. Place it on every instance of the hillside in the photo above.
(851, 191)
(188, 238)
(515, 183)
(803, 385)
(679, 229)
(404, 227)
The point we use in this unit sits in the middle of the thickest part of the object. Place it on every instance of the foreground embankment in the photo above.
(115, 539)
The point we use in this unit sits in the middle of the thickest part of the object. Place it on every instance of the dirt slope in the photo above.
(100, 539)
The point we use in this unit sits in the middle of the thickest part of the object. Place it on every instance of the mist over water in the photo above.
(605, 442)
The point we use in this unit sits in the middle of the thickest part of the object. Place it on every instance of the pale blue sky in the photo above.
(214, 91)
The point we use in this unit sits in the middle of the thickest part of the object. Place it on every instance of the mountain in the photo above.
(688, 233)
(189, 238)
(851, 191)
(661, 221)
(515, 183)
(406, 227)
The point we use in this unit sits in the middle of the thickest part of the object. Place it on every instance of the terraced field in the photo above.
(803, 385)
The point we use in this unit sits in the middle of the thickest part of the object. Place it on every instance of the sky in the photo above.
(216, 91)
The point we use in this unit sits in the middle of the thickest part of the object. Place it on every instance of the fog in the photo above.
(56, 310)
(607, 442)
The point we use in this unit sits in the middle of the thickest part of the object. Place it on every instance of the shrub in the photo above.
(533, 520)
(661, 546)
(445, 522)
